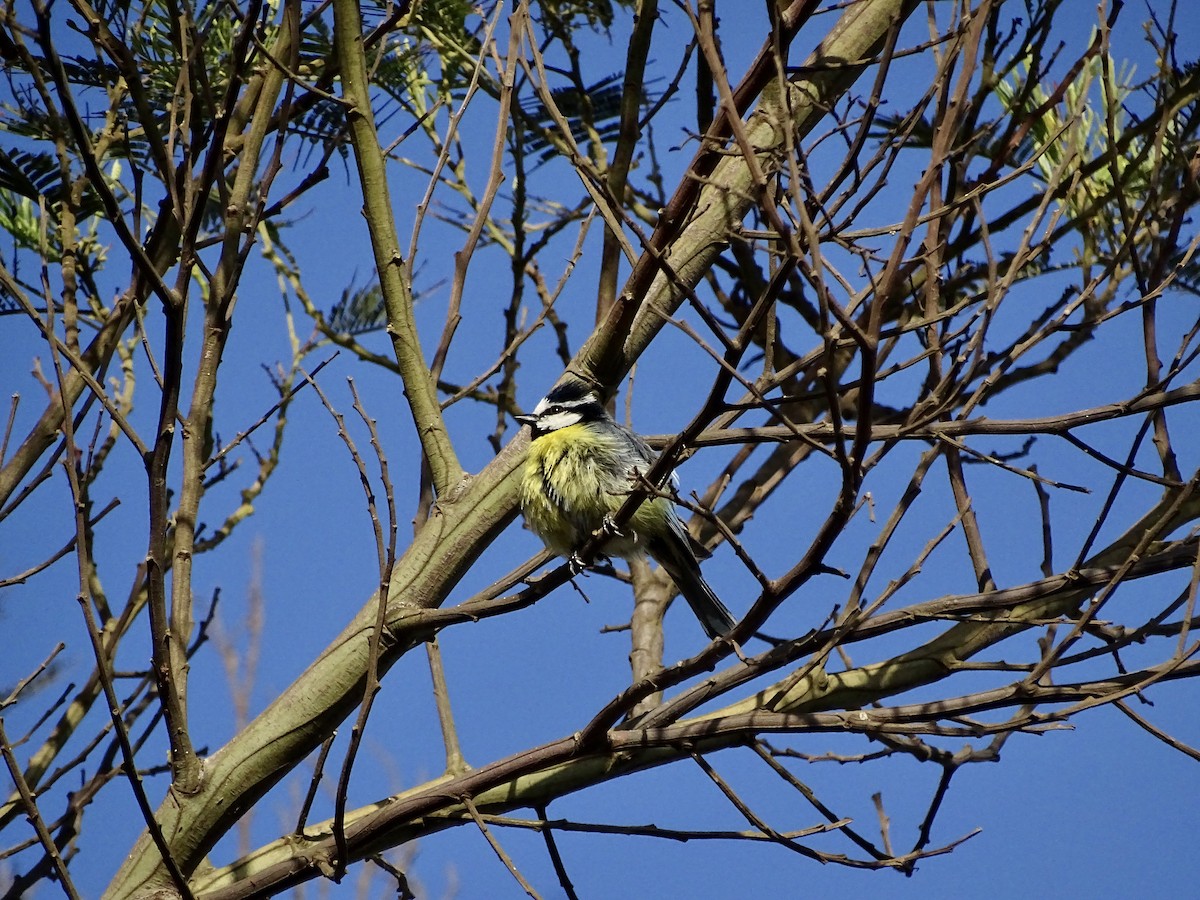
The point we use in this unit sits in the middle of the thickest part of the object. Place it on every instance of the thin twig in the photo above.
(499, 851)
(556, 860)
(31, 677)
(35, 818)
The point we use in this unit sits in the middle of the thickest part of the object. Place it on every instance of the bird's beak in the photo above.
(526, 420)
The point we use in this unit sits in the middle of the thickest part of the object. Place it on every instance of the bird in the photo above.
(581, 466)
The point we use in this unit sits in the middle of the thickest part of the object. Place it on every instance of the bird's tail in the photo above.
(680, 563)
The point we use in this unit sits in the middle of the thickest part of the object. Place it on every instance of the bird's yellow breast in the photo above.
(574, 477)
(560, 493)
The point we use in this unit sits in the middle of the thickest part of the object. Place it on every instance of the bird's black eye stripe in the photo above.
(587, 408)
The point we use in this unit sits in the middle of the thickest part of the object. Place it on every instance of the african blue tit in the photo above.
(581, 467)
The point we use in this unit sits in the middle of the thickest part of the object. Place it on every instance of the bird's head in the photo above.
(568, 404)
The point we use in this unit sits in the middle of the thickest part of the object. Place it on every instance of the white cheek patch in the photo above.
(558, 420)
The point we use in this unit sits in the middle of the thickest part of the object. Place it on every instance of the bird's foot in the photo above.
(609, 528)
(576, 564)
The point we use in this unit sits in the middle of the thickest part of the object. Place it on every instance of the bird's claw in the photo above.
(609, 528)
